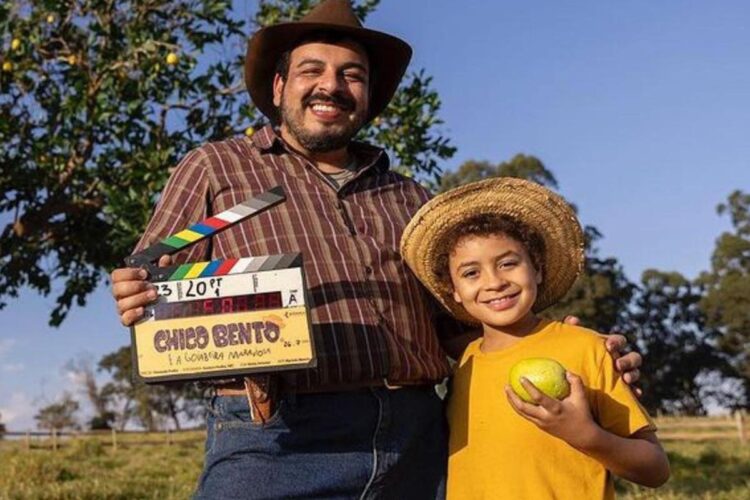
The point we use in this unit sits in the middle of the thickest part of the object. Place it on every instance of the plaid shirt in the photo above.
(372, 320)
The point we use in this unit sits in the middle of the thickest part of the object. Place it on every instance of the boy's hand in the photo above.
(627, 363)
(569, 419)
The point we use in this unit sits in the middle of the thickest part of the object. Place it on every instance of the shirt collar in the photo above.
(266, 138)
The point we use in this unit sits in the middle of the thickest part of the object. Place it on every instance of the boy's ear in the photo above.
(539, 277)
(456, 296)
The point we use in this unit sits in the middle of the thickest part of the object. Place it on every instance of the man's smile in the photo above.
(326, 111)
(328, 107)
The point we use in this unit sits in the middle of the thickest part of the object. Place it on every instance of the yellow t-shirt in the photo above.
(496, 453)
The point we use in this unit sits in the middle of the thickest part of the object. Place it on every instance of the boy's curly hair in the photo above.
(483, 225)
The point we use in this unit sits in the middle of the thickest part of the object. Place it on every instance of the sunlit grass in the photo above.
(715, 470)
(89, 468)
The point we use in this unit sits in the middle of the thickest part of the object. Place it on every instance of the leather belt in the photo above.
(263, 392)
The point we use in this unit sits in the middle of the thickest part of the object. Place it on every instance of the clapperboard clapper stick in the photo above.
(223, 317)
(149, 257)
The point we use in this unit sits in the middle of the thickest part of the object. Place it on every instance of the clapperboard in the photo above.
(224, 317)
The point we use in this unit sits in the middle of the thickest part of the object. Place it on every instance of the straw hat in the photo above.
(540, 209)
(389, 56)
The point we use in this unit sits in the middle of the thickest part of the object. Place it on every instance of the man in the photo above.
(366, 422)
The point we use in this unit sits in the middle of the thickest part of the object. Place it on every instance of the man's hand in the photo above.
(133, 292)
(627, 363)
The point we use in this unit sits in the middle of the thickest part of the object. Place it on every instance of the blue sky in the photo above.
(641, 109)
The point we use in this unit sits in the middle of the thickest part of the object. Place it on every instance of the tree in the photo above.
(2, 427)
(97, 101)
(520, 166)
(671, 331)
(601, 295)
(60, 415)
(727, 300)
(100, 399)
(149, 406)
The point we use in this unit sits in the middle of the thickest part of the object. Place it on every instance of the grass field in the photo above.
(88, 468)
(715, 470)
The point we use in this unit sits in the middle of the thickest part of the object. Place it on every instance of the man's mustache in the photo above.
(336, 99)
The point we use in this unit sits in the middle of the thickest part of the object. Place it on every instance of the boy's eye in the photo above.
(470, 274)
(508, 264)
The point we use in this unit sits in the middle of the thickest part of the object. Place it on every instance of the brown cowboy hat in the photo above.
(389, 56)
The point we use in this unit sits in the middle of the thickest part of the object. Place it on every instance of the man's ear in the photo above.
(539, 277)
(278, 88)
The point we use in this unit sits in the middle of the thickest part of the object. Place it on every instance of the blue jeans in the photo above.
(369, 443)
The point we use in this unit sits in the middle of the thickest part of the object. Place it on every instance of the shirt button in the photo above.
(368, 270)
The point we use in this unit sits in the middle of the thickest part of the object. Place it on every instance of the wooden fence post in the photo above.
(169, 437)
(27, 441)
(54, 439)
(739, 417)
(114, 439)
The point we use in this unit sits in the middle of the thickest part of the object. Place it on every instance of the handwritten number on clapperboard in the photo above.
(196, 289)
(199, 289)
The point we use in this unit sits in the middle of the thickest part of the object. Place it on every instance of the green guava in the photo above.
(546, 374)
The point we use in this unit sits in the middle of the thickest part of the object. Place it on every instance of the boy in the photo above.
(496, 253)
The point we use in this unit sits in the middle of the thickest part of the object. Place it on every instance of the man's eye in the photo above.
(354, 77)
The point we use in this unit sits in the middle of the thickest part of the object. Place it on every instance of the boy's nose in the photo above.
(496, 281)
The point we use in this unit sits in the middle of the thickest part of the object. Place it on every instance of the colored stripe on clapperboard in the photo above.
(231, 266)
(208, 227)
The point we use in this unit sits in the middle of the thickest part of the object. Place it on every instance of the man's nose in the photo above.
(330, 81)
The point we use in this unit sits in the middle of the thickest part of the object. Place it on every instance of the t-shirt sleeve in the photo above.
(183, 202)
(616, 407)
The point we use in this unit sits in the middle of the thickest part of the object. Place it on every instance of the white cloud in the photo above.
(18, 412)
(6, 345)
(76, 378)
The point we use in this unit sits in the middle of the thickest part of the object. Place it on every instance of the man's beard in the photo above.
(329, 139)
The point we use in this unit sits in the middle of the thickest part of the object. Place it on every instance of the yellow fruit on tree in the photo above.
(249, 131)
(72, 60)
(7, 66)
(15, 44)
(546, 374)
(50, 19)
(172, 58)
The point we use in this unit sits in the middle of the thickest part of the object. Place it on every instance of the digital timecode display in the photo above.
(219, 305)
